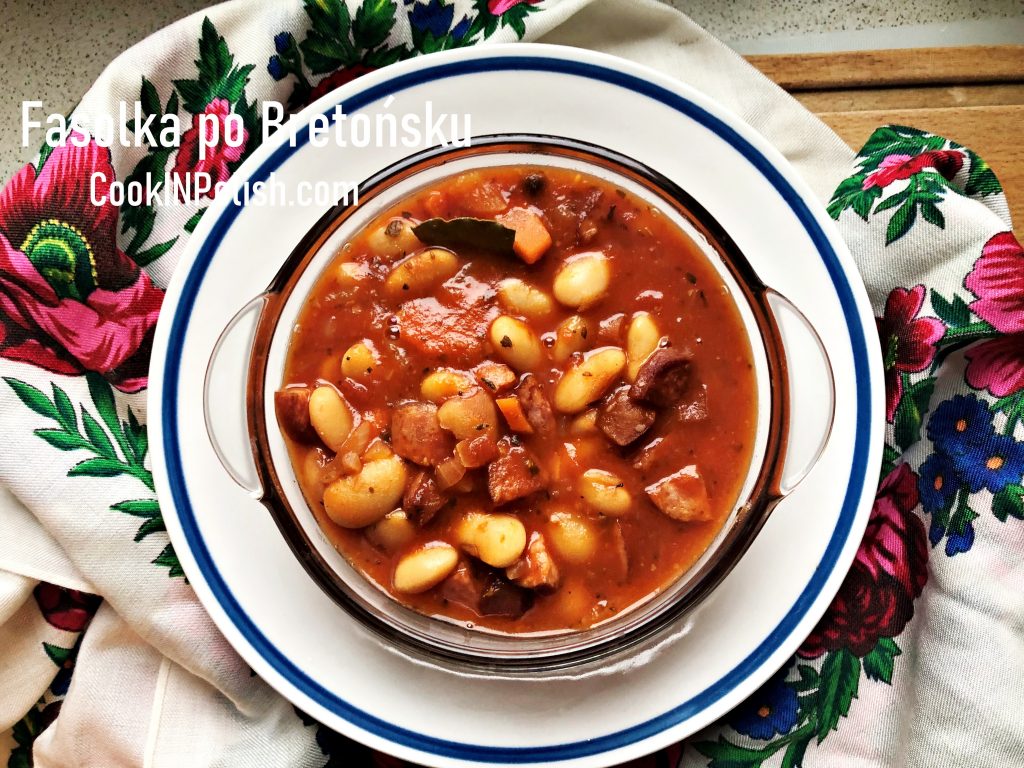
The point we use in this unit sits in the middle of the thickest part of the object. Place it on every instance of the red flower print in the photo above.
(898, 167)
(66, 609)
(70, 300)
(997, 365)
(997, 279)
(498, 7)
(888, 574)
(191, 163)
(908, 341)
(338, 79)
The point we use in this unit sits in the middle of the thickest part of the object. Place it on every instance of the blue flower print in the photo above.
(283, 42)
(276, 68)
(960, 426)
(960, 542)
(938, 483)
(434, 16)
(770, 711)
(993, 464)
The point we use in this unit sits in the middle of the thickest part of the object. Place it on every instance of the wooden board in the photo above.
(972, 95)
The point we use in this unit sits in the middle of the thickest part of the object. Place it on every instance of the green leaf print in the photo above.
(1009, 502)
(879, 663)
(953, 313)
(57, 654)
(840, 677)
(119, 448)
(373, 22)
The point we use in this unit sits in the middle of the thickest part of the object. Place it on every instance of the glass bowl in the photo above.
(772, 472)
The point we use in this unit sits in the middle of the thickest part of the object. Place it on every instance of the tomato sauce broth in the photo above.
(655, 268)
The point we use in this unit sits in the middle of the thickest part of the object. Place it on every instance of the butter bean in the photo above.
(360, 360)
(497, 540)
(350, 273)
(472, 415)
(570, 337)
(394, 238)
(393, 531)
(641, 340)
(420, 273)
(441, 384)
(521, 298)
(356, 501)
(584, 424)
(425, 568)
(312, 468)
(516, 343)
(330, 416)
(588, 381)
(604, 492)
(583, 280)
(572, 537)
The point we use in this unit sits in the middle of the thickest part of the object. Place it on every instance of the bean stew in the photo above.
(521, 399)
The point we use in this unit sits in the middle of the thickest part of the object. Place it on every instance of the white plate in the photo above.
(312, 652)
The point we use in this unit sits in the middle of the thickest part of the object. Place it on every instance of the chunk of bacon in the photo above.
(292, 406)
(535, 569)
(663, 378)
(622, 419)
(485, 592)
(423, 499)
(417, 435)
(683, 496)
(535, 404)
(514, 476)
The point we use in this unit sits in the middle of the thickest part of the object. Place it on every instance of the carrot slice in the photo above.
(532, 237)
(514, 415)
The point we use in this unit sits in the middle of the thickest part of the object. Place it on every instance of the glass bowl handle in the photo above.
(810, 419)
(228, 370)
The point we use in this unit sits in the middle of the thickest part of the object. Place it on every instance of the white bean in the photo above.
(641, 340)
(394, 238)
(393, 531)
(330, 416)
(469, 416)
(350, 273)
(424, 568)
(572, 537)
(498, 540)
(420, 273)
(356, 501)
(312, 466)
(604, 492)
(516, 343)
(443, 383)
(360, 360)
(524, 299)
(583, 280)
(585, 383)
(570, 337)
(584, 424)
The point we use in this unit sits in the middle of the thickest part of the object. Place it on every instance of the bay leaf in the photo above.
(466, 232)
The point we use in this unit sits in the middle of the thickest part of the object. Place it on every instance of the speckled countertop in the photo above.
(54, 49)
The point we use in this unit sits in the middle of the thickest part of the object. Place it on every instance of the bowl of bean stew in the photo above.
(521, 408)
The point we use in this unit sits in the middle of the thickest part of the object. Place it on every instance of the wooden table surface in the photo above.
(973, 95)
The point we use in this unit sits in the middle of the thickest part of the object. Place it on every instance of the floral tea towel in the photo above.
(106, 656)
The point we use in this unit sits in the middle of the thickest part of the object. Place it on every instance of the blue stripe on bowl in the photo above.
(479, 752)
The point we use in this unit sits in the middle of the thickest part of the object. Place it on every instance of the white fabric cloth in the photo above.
(155, 683)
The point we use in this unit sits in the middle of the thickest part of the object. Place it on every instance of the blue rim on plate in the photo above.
(620, 739)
